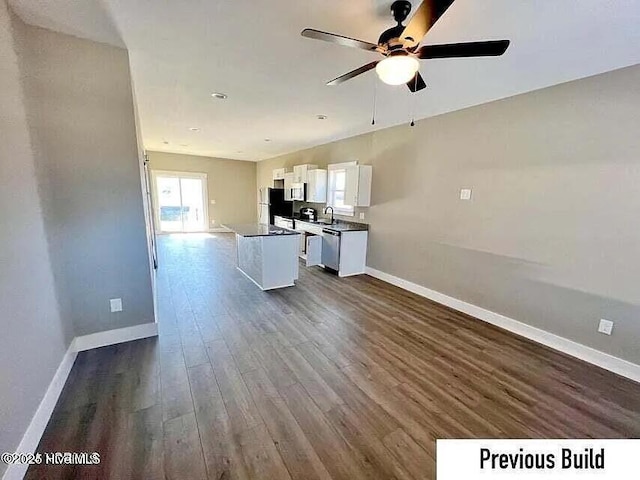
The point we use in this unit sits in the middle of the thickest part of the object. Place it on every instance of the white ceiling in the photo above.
(183, 50)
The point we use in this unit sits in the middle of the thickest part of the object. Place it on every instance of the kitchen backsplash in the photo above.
(297, 205)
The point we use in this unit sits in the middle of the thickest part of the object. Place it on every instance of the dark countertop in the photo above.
(338, 225)
(259, 230)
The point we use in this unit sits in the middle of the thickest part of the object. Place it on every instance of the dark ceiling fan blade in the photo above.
(416, 83)
(491, 48)
(352, 73)
(427, 14)
(339, 39)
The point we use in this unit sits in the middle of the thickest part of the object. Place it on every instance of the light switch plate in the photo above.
(606, 326)
(116, 305)
(213, 202)
(361, 215)
(465, 194)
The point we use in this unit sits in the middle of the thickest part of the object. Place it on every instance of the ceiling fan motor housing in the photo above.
(388, 36)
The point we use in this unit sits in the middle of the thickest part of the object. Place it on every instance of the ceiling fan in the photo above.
(401, 45)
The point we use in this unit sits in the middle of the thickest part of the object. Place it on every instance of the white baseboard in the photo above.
(564, 345)
(111, 337)
(31, 437)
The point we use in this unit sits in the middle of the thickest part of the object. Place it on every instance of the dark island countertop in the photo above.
(259, 230)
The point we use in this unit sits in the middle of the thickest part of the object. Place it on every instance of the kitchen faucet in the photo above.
(326, 209)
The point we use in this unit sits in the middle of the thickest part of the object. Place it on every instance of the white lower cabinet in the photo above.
(345, 253)
(353, 253)
(314, 250)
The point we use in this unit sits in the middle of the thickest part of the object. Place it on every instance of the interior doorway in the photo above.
(181, 201)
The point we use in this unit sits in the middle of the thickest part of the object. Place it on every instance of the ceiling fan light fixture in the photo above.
(397, 69)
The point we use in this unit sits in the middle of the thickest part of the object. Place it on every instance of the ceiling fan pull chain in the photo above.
(375, 94)
(413, 103)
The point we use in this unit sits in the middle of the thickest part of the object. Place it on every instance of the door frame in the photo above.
(179, 174)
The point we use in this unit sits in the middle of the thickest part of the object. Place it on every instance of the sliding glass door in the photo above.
(181, 201)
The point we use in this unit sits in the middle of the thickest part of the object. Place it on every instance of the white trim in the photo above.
(220, 230)
(564, 345)
(118, 335)
(32, 435)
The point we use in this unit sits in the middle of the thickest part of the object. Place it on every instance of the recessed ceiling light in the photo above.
(165, 142)
(184, 145)
(239, 151)
(267, 139)
(194, 129)
(321, 117)
(219, 96)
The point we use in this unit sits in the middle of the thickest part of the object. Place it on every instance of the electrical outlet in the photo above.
(361, 215)
(465, 194)
(116, 305)
(213, 202)
(606, 326)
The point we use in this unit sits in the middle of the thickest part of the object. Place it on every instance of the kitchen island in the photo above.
(266, 254)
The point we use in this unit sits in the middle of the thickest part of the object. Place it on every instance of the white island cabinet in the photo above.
(267, 255)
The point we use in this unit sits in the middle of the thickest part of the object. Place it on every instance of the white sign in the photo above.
(538, 459)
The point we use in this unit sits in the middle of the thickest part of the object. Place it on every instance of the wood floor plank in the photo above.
(413, 458)
(375, 460)
(261, 456)
(314, 384)
(242, 412)
(145, 448)
(222, 453)
(297, 452)
(183, 452)
(277, 370)
(338, 457)
(231, 331)
(347, 390)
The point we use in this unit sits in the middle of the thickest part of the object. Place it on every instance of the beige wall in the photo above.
(550, 237)
(34, 336)
(231, 183)
(80, 113)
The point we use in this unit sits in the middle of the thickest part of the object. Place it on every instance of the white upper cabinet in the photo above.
(278, 173)
(358, 185)
(300, 172)
(288, 185)
(317, 186)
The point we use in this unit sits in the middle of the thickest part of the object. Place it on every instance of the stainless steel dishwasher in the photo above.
(331, 249)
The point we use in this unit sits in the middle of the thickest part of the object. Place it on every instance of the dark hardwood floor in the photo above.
(334, 378)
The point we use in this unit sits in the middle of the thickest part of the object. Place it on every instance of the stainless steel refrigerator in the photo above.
(270, 203)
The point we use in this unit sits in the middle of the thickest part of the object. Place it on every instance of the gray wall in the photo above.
(33, 338)
(80, 107)
(550, 236)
